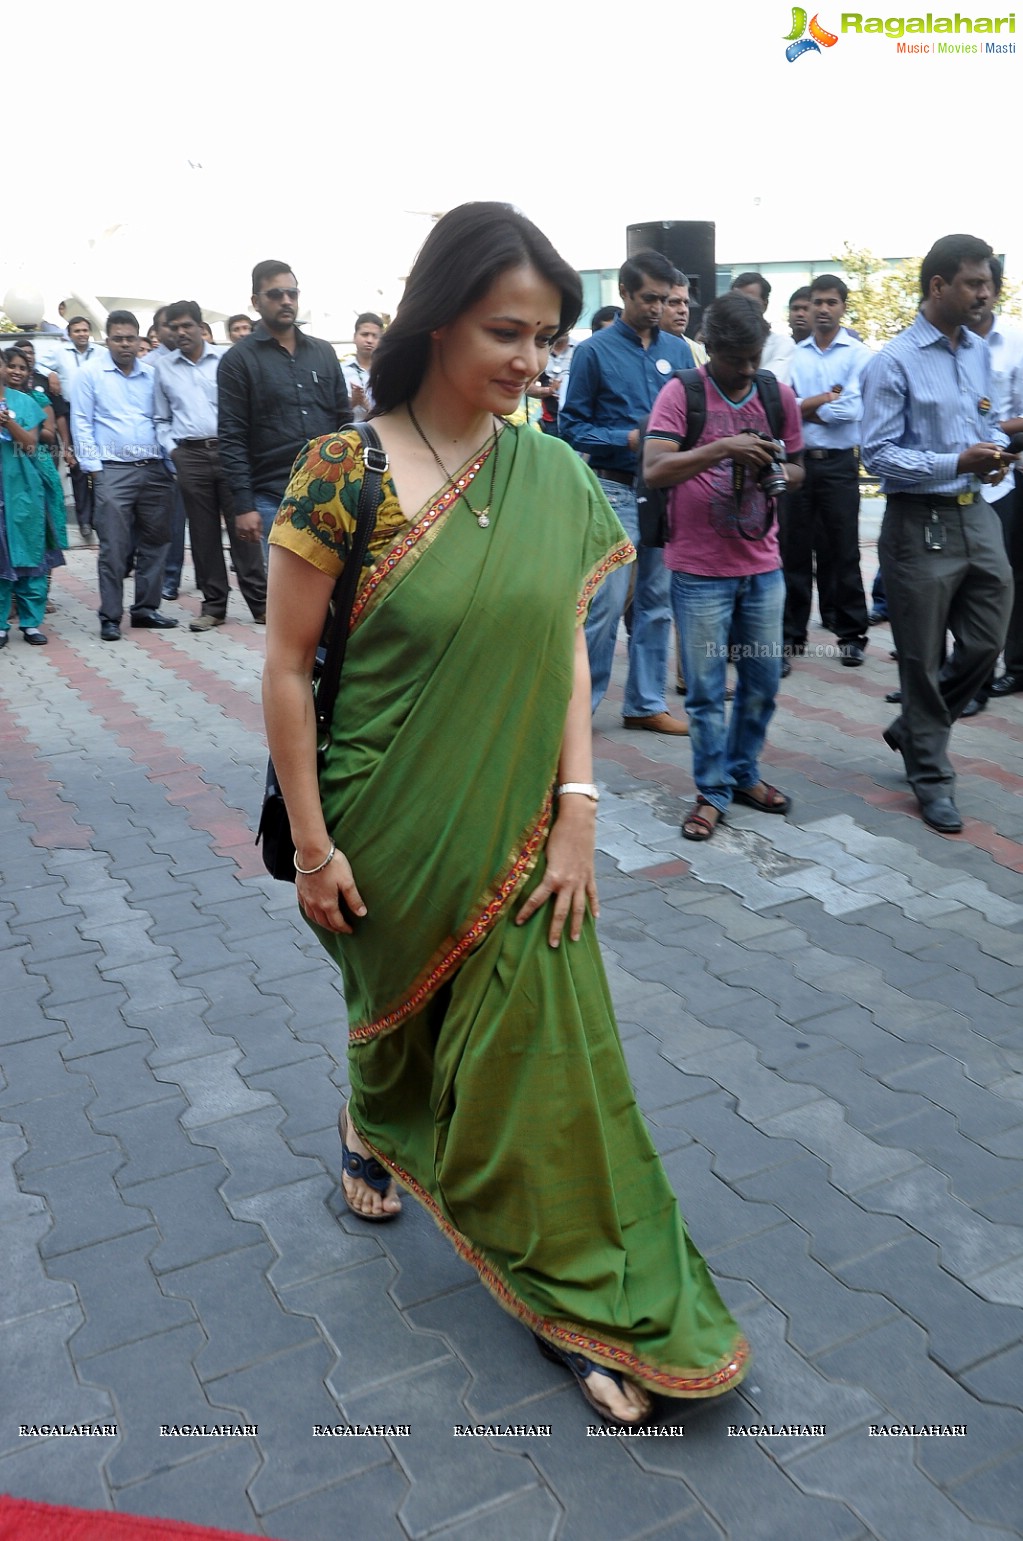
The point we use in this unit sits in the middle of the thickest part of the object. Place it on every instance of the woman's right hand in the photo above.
(319, 893)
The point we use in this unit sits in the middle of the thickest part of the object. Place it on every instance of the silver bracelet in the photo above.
(308, 871)
(584, 788)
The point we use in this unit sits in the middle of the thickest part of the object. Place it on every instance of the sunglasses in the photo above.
(280, 294)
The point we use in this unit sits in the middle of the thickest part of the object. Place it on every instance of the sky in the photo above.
(327, 137)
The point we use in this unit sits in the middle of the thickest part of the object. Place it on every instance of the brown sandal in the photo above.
(773, 800)
(695, 826)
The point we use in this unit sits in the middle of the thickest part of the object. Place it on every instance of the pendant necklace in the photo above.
(481, 515)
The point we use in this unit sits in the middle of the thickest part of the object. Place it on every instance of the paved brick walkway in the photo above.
(823, 1019)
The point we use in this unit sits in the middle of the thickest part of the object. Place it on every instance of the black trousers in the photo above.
(821, 525)
(964, 588)
(208, 500)
(81, 491)
(1010, 511)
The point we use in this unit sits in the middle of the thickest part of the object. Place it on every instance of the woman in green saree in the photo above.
(32, 526)
(455, 817)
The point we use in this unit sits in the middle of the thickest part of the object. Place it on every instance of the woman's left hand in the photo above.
(569, 877)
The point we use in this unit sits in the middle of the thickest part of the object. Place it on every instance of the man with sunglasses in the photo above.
(276, 389)
(615, 378)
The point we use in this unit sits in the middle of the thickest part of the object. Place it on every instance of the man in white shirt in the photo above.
(185, 412)
(368, 332)
(778, 349)
(67, 358)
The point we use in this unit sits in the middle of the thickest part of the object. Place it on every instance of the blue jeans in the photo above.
(711, 614)
(266, 508)
(651, 619)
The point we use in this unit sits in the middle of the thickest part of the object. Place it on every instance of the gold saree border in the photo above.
(622, 553)
(711, 1382)
(416, 541)
(481, 918)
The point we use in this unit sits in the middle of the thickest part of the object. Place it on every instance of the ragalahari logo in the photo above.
(805, 39)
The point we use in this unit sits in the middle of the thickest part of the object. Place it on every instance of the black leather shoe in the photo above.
(110, 631)
(169, 591)
(35, 638)
(942, 814)
(153, 618)
(894, 697)
(973, 707)
(876, 617)
(892, 738)
(852, 654)
(1007, 685)
(3, 639)
(786, 668)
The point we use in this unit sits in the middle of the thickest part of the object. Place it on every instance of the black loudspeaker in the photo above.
(689, 244)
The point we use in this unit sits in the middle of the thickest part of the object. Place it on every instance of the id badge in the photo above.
(934, 534)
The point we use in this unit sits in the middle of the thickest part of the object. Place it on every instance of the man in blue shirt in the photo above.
(822, 520)
(115, 440)
(930, 432)
(615, 378)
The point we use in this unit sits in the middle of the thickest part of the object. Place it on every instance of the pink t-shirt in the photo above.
(710, 536)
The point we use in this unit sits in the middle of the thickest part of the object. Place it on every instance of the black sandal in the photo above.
(582, 1369)
(365, 1169)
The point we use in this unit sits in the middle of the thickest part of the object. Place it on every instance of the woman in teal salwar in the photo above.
(31, 506)
(455, 816)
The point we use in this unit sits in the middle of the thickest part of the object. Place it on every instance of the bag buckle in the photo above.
(375, 460)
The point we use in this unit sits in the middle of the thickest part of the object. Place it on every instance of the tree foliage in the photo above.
(883, 300)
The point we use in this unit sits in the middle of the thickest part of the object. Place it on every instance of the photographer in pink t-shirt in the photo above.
(727, 587)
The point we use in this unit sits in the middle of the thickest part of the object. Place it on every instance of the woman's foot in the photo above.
(368, 1188)
(701, 822)
(616, 1399)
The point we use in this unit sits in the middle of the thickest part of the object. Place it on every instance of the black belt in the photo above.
(199, 443)
(827, 454)
(154, 460)
(937, 499)
(624, 478)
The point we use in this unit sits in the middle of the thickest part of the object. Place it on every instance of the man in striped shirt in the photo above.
(930, 432)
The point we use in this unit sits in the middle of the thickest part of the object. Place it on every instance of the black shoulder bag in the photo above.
(274, 827)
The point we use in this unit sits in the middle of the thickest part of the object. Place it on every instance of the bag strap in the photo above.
(375, 465)
(696, 405)
(770, 400)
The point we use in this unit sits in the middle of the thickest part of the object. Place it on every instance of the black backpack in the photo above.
(652, 502)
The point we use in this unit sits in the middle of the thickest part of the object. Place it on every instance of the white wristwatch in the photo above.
(583, 788)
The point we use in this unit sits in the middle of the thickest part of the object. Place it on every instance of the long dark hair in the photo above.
(459, 260)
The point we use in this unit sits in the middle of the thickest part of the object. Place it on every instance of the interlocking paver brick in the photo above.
(923, 1394)
(119, 1294)
(59, 1471)
(27, 1289)
(253, 1148)
(207, 1490)
(372, 1500)
(131, 1373)
(1000, 1379)
(84, 1202)
(962, 1327)
(195, 1221)
(286, 1396)
(715, 1215)
(530, 1516)
(337, 1302)
(970, 1245)
(838, 1228)
(153, 1140)
(257, 1327)
(885, 1481)
(307, 1240)
(213, 1088)
(42, 1387)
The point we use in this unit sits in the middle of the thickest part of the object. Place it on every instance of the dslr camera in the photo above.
(771, 480)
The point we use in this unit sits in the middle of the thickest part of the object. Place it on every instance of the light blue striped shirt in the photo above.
(816, 370)
(112, 415)
(924, 402)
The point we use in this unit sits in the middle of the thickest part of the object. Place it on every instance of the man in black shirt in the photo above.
(276, 389)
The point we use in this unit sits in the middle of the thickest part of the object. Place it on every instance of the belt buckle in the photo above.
(964, 499)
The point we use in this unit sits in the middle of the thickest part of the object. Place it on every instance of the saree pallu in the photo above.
(486, 1068)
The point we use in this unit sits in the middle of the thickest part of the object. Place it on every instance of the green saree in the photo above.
(486, 1069)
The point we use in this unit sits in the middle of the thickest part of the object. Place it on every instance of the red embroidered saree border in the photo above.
(414, 541)
(481, 918)
(691, 1383)
(626, 552)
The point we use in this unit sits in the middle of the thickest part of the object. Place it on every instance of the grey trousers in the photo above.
(966, 589)
(133, 512)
